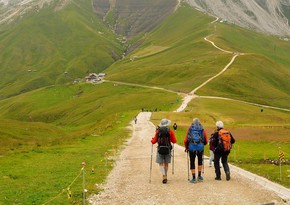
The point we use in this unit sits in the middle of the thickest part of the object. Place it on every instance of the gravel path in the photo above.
(128, 183)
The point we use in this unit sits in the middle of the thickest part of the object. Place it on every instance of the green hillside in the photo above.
(46, 134)
(261, 75)
(62, 113)
(129, 18)
(37, 50)
(50, 125)
(176, 56)
(173, 56)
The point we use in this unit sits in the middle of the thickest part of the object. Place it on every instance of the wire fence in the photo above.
(68, 189)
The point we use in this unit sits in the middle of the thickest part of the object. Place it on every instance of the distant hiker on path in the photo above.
(194, 142)
(222, 142)
(175, 126)
(164, 137)
(135, 119)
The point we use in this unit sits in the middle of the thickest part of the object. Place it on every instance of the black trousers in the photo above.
(192, 156)
(217, 157)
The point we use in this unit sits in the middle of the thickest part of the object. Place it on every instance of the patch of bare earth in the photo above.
(128, 183)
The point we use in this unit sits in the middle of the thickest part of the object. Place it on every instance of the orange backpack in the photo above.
(225, 140)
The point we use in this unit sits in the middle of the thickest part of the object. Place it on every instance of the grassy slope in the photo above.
(73, 111)
(174, 56)
(50, 131)
(47, 133)
(261, 76)
(52, 42)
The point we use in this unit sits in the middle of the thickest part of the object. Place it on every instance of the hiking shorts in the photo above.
(161, 159)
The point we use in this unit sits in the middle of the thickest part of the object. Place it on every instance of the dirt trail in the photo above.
(128, 183)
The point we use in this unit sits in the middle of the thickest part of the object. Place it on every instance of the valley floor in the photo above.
(128, 183)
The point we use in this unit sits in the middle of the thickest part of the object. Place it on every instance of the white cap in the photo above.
(219, 124)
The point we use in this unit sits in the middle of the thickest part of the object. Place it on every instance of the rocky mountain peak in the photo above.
(267, 16)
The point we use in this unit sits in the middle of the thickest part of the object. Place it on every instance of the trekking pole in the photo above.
(151, 163)
(203, 162)
(173, 160)
(187, 167)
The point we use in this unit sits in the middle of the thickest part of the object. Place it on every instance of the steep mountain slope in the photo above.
(176, 56)
(41, 40)
(10, 10)
(37, 50)
(267, 16)
(132, 17)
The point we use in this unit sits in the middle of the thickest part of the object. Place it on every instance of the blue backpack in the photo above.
(195, 138)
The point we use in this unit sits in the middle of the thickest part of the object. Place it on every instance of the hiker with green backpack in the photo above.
(194, 142)
(164, 137)
(222, 142)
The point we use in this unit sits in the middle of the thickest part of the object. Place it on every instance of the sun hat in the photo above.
(219, 124)
(164, 122)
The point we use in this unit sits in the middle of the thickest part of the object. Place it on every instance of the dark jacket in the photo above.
(215, 141)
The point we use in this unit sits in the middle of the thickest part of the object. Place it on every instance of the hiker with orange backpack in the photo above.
(222, 142)
(194, 142)
(164, 137)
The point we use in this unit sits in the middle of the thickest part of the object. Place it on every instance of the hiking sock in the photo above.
(162, 169)
(193, 176)
(199, 173)
(166, 169)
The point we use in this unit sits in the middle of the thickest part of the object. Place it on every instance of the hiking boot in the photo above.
(164, 181)
(192, 181)
(228, 176)
(200, 178)
(218, 178)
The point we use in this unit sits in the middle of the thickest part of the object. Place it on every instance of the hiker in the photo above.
(164, 137)
(135, 119)
(175, 126)
(222, 142)
(194, 142)
(211, 149)
(211, 152)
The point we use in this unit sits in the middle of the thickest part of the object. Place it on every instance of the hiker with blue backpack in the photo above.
(164, 137)
(222, 142)
(194, 142)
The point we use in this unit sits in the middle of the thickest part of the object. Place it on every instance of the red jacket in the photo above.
(186, 139)
(171, 133)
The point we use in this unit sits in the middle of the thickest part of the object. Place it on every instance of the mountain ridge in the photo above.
(270, 17)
